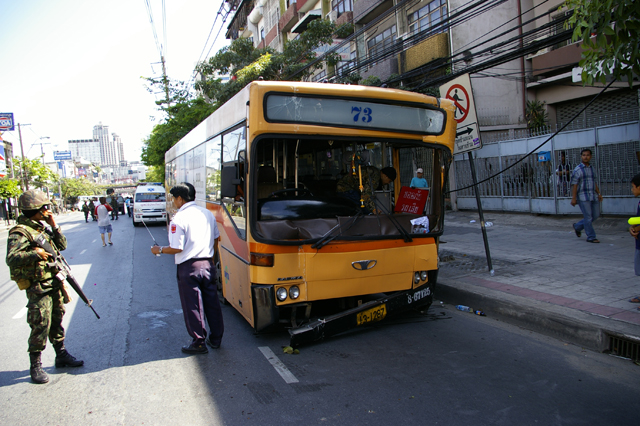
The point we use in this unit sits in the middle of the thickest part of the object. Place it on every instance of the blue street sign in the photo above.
(6, 121)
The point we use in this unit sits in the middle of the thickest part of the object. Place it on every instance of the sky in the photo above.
(68, 65)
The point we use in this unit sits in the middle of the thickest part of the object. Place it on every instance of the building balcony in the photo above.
(288, 19)
(435, 47)
(367, 10)
(273, 32)
(557, 60)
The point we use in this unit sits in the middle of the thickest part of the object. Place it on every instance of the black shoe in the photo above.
(211, 345)
(65, 359)
(195, 348)
(38, 375)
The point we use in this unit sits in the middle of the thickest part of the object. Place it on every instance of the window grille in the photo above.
(342, 6)
(379, 44)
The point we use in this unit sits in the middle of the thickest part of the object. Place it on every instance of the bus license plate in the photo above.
(371, 315)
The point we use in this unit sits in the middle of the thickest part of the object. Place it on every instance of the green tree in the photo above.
(37, 174)
(9, 188)
(609, 31)
(536, 114)
(73, 188)
(183, 118)
(155, 174)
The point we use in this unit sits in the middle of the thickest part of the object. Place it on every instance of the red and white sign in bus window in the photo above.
(411, 200)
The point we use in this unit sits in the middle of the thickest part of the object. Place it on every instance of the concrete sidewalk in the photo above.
(545, 278)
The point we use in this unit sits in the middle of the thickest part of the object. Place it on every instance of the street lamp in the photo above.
(42, 152)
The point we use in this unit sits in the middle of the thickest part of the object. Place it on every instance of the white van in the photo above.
(149, 203)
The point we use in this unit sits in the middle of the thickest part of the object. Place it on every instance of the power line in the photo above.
(153, 27)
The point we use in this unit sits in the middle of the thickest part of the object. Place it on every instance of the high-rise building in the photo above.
(108, 150)
(119, 146)
(88, 149)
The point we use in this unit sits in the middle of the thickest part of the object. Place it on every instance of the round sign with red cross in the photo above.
(458, 94)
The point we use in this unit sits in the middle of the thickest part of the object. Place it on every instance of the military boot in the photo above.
(38, 375)
(64, 358)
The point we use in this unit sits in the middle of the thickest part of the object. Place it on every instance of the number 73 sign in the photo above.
(459, 91)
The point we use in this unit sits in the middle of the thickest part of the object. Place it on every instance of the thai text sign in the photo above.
(411, 200)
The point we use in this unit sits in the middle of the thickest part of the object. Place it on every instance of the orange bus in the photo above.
(270, 164)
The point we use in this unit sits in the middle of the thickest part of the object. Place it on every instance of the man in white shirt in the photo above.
(193, 239)
(102, 212)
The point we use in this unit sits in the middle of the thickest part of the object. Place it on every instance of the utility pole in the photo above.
(25, 184)
(42, 152)
(165, 81)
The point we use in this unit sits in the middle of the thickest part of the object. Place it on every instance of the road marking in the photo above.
(82, 252)
(20, 313)
(94, 241)
(278, 365)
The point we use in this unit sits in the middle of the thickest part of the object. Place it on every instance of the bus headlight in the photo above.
(416, 277)
(294, 292)
(281, 294)
(423, 275)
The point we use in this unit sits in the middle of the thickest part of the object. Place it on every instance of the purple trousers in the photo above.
(199, 297)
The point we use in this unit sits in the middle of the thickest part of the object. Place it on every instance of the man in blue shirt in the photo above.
(583, 191)
(419, 182)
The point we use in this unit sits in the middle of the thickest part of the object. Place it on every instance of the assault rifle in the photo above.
(64, 271)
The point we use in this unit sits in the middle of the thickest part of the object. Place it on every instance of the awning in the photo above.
(304, 22)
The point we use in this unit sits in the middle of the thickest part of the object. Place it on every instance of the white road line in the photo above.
(20, 313)
(94, 241)
(278, 365)
(82, 252)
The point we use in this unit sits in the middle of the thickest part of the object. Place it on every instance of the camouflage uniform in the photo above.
(45, 293)
(349, 186)
(45, 307)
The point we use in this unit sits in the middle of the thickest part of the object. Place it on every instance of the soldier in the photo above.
(85, 210)
(46, 295)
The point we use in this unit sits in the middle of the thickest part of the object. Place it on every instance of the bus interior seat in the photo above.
(267, 181)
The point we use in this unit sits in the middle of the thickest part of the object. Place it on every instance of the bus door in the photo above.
(234, 253)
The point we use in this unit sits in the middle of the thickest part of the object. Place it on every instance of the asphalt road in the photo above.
(440, 367)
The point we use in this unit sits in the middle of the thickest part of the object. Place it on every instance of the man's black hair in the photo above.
(636, 180)
(184, 190)
(390, 172)
(586, 150)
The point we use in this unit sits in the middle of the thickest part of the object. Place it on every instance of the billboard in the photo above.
(6, 121)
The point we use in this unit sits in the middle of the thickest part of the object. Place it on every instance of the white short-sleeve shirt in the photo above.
(194, 231)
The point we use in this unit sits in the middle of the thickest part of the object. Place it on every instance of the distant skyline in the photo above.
(69, 65)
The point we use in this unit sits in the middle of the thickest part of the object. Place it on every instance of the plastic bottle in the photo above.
(464, 308)
(482, 314)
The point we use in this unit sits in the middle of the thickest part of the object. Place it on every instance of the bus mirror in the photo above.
(229, 181)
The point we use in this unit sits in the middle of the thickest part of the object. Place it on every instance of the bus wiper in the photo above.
(403, 232)
(327, 238)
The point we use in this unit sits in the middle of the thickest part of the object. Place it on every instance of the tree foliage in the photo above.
(73, 188)
(37, 174)
(245, 63)
(184, 116)
(610, 33)
(9, 188)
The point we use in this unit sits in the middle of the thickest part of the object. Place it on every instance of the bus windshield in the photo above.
(310, 186)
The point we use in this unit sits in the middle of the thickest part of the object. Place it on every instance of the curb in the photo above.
(570, 325)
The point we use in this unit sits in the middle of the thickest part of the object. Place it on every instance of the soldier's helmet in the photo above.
(33, 199)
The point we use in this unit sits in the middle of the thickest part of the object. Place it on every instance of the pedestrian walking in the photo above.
(32, 272)
(92, 207)
(193, 239)
(585, 193)
(634, 230)
(104, 226)
(114, 206)
(127, 203)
